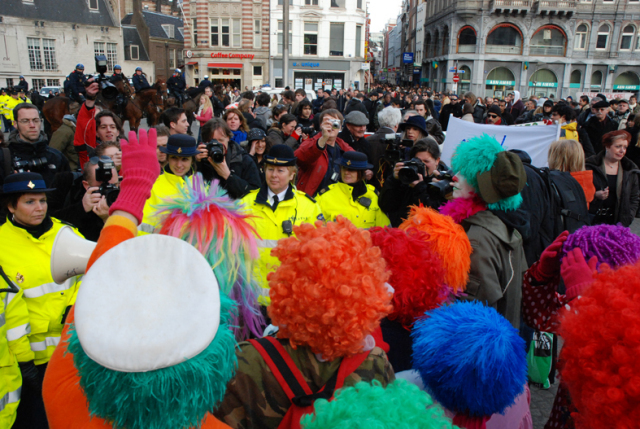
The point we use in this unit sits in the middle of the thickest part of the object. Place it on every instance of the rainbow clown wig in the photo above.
(476, 156)
(329, 293)
(470, 358)
(448, 240)
(371, 406)
(614, 245)
(599, 360)
(417, 275)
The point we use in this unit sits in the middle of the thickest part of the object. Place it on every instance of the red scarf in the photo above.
(461, 208)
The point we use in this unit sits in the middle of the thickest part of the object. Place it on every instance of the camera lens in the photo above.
(408, 175)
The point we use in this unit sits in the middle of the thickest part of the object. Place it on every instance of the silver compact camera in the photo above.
(335, 124)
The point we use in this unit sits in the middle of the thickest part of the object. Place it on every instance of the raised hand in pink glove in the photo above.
(576, 273)
(140, 170)
(549, 264)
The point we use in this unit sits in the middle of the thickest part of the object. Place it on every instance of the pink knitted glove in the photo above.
(577, 275)
(140, 171)
(549, 264)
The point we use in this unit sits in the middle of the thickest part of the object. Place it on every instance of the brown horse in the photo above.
(54, 109)
(190, 106)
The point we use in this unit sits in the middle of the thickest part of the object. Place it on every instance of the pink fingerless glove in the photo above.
(140, 170)
(576, 273)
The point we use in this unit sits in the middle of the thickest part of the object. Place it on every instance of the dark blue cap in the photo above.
(180, 145)
(354, 161)
(415, 121)
(281, 155)
(20, 183)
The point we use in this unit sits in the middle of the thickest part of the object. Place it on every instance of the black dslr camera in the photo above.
(108, 90)
(216, 151)
(444, 185)
(104, 173)
(310, 131)
(410, 170)
(395, 148)
(34, 164)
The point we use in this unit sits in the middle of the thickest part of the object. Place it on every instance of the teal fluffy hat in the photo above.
(476, 156)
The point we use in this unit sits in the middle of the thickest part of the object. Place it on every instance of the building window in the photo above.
(337, 3)
(134, 52)
(35, 59)
(627, 38)
(503, 39)
(170, 30)
(596, 80)
(215, 29)
(280, 38)
(257, 70)
(180, 57)
(582, 35)
(93, 4)
(38, 84)
(257, 34)
(98, 48)
(226, 32)
(638, 41)
(358, 40)
(172, 58)
(49, 50)
(280, 2)
(359, 4)
(336, 39)
(9, 82)
(311, 2)
(194, 31)
(53, 82)
(236, 33)
(603, 37)
(112, 55)
(311, 38)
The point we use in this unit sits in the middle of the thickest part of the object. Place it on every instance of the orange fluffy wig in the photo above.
(599, 360)
(329, 292)
(448, 240)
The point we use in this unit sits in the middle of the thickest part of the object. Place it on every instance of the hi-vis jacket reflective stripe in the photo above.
(13, 311)
(26, 260)
(337, 200)
(167, 185)
(297, 207)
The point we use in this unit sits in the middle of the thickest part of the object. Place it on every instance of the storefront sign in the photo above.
(544, 84)
(232, 55)
(609, 95)
(312, 65)
(501, 82)
(627, 87)
(407, 58)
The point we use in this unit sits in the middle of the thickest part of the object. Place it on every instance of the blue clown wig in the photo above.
(470, 358)
(475, 156)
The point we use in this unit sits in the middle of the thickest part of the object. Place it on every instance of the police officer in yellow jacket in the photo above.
(26, 241)
(181, 164)
(278, 206)
(9, 103)
(351, 197)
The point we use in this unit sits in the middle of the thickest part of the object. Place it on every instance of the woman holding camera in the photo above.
(26, 242)
(181, 151)
(351, 197)
(284, 131)
(277, 207)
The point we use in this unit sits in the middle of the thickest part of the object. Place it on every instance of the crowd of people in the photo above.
(339, 272)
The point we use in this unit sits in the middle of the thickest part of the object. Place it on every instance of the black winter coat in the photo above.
(361, 145)
(76, 83)
(455, 109)
(244, 173)
(596, 129)
(628, 194)
(140, 82)
(355, 104)
(396, 198)
(478, 113)
(89, 224)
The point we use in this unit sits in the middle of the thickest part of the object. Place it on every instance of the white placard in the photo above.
(534, 140)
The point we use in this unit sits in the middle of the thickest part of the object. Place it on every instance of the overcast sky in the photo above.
(381, 10)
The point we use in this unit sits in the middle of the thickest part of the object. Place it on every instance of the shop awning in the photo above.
(225, 65)
(192, 63)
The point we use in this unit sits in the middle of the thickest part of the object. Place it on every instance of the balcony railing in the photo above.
(554, 51)
(499, 49)
(556, 7)
(513, 6)
(466, 49)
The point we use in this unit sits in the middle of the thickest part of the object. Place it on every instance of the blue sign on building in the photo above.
(407, 58)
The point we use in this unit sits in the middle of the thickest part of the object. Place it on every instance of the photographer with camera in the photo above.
(28, 147)
(100, 182)
(318, 156)
(415, 182)
(284, 131)
(389, 119)
(227, 161)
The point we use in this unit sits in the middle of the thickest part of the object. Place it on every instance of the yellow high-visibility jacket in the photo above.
(167, 185)
(338, 200)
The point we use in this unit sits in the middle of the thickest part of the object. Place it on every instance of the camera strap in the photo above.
(6, 153)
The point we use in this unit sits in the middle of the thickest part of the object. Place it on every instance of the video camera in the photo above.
(443, 186)
(104, 173)
(394, 153)
(108, 90)
(215, 149)
(410, 170)
(22, 165)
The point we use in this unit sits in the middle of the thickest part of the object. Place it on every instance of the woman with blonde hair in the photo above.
(205, 112)
(237, 123)
(568, 156)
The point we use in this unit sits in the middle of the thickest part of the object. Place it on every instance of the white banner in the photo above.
(534, 139)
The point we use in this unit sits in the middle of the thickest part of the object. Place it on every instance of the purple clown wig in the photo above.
(614, 245)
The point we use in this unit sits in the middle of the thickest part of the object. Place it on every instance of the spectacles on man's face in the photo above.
(492, 116)
(35, 121)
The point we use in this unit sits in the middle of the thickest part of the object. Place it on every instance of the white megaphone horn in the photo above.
(69, 255)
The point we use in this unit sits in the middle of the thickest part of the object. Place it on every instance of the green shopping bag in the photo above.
(540, 359)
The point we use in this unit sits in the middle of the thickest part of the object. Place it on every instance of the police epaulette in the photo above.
(310, 197)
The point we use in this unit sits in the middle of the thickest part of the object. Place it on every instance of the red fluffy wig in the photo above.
(599, 360)
(329, 292)
(417, 274)
(449, 241)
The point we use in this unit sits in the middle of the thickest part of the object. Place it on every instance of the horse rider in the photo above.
(66, 86)
(116, 77)
(76, 84)
(206, 83)
(23, 84)
(140, 80)
(176, 86)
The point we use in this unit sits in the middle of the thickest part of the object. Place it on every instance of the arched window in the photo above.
(603, 37)
(582, 37)
(504, 39)
(465, 80)
(576, 79)
(427, 43)
(626, 82)
(467, 40)
(627, 38)
(596, 80)
(436, 44)
(548, 40)
(543, 83)
(499, 81)
(445, 41)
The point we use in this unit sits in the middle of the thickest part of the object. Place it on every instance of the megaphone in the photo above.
(69, 255)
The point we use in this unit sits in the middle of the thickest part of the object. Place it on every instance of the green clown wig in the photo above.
(476, 156)
(371, 406)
